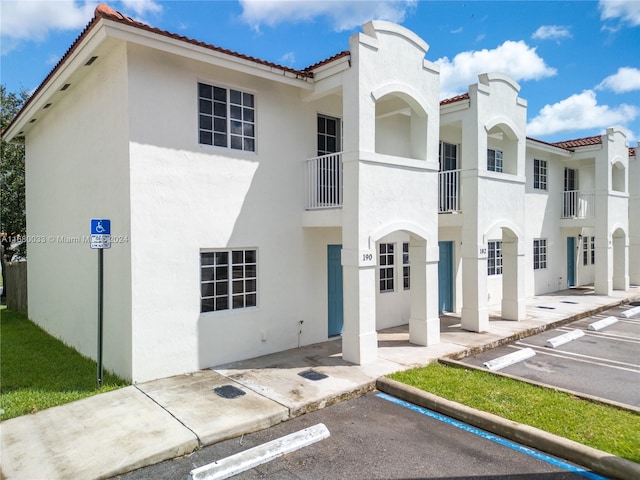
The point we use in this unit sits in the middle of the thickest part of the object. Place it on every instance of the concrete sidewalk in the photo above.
(119, 431)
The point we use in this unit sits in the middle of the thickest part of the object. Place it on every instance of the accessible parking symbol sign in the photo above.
(100, 233)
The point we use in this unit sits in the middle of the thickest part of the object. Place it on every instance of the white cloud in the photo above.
(579, 112)
(551, 32)
(515, 59)
(141, 7)
(628, 11)
(32, 20)
(344, 15)
(288, 58)
(626, 79)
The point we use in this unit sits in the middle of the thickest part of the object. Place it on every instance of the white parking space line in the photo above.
(608, 335)
(583, 358)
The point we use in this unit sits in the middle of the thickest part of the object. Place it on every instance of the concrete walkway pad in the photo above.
(192, 400)
(96, 437)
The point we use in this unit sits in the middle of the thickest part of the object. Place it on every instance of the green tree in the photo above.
(12, 194)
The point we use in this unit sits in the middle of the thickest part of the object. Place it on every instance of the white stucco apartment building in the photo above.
(255, 208)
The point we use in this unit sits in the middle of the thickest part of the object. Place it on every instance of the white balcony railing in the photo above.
(578, 204)
(449, 191)
(324, 181)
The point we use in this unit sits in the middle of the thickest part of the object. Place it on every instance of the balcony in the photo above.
(324, 182)
(449, 191)
(578, 204)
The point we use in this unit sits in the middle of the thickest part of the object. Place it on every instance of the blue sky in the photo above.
(578, 63)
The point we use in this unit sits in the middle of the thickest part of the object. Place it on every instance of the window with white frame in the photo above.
(539, 253)
(228, 280)
(406, 269)
(494, 257)
(494, 160)
(593, 250)
(226, 118)
(540, 174)
(387, 265)
(585, 250)
(448, 154)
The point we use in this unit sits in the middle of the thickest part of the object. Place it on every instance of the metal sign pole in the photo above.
(100, 239)
(100, 309)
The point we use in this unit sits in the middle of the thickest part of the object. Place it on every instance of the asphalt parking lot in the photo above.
(603, 363)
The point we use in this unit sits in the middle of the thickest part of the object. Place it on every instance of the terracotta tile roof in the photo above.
(104, 11)
(580, 142)
(547, 143)
(457, 98)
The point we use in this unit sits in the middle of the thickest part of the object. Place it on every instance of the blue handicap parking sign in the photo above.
(100, 226)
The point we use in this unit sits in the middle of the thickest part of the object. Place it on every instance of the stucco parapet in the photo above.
(488, 78)
(373, 27)
(431, 67)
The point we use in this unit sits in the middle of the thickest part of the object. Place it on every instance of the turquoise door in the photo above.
(571, 262)
(445, 277)
(334, 288)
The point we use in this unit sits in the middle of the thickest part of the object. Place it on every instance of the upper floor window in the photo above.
(387, 265)
(228, 280)
(540, 174)
(448, 156)
(406, 269)
(494, 257)
(329, 135)
(226, 118)
(494, 160)
(539, 253)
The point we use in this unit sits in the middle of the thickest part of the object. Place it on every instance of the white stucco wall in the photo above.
(200, 197)
(76, 170)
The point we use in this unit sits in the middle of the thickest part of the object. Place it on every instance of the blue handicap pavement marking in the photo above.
(100, 226)
(494, 438)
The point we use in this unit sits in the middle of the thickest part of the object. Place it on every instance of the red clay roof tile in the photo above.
(580, 142)
(457, 98)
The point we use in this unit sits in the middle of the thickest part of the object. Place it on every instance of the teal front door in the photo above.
(571, 261)
(445, 277)
(334, 288)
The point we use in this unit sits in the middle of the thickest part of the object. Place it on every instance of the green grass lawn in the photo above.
(599, 426)
(39, 371)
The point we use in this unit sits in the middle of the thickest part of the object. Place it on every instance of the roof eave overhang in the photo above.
(164, 43)
(546, 147)
(104, 30)
(76, 59)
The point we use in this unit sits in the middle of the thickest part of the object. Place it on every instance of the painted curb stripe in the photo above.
(494, 438)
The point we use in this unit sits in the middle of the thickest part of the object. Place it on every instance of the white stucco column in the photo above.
(359, 337)
(424, 322)
(475, 314)
(620, 264)
(603, 284)
(513, 302)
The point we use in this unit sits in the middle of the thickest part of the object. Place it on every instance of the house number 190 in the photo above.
(367, 258)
